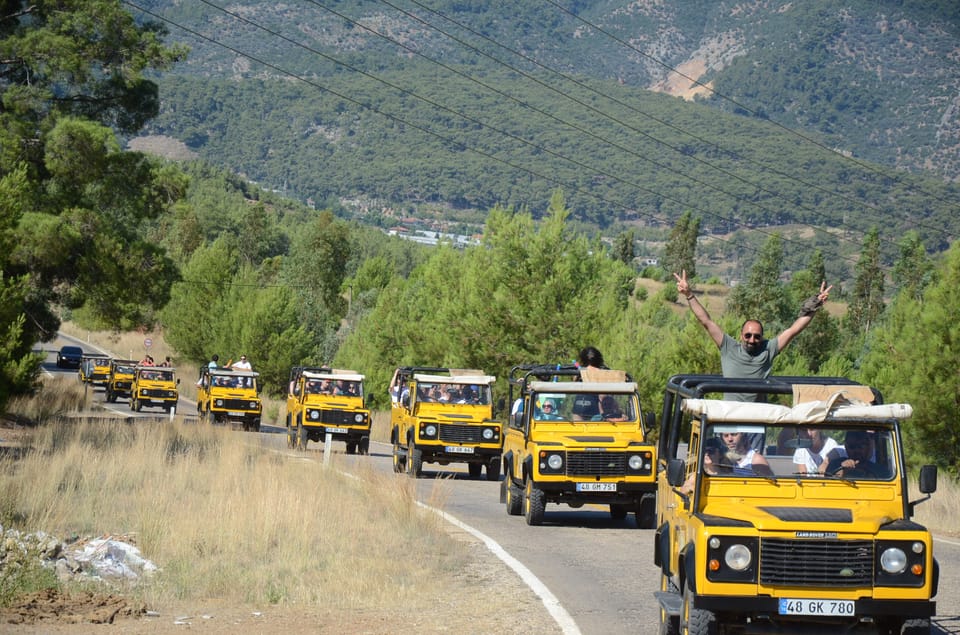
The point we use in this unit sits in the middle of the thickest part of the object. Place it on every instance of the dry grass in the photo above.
(227, 518)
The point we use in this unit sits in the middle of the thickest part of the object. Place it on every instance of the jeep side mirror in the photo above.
(649, 420)
(928, 479)
(676, 472)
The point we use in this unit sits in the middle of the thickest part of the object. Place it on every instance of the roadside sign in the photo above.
(147, 343)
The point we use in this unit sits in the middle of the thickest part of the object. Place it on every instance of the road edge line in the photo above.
(563, 619)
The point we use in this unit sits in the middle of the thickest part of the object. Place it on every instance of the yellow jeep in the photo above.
(119, 379)
(789, 518)
(94, 369)
(230, 396)
(154, 386)
(322, 401)
(444, 416)
(577, 437)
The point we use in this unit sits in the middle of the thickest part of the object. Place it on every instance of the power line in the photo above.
(862, 164)
(457, 144)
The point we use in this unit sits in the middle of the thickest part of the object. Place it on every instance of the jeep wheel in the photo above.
(695, 621)
(534, 502)
(618, 511)
(364, 446)
(669, 624)
(916, 626)
(513, 497)
(493, 469)
(475, 470)
(302, 437)
(414, 461)
(351, 448)
(646, 512)
(399, 462)
(136, 405)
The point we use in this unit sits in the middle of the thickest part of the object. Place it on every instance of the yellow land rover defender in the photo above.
(790, 516)
(322, 401)
(119, 379)
(94, 369)
(444, 415)
(154, 387)
(230, 396)
(577, 436)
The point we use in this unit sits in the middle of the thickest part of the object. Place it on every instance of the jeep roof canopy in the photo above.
(681, 387)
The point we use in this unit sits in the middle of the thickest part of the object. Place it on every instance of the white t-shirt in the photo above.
(812, 460)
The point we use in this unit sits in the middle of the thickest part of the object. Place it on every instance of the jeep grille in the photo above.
(156, 392)
(237, 404)
(337, 417)
(596, 464)
(460, 433)
(122, 385)
(811, 563)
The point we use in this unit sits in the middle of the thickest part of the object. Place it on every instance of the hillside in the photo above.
(401, 105)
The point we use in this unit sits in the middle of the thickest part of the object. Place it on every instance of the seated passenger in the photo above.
(610, 409)
(811, 460)
(548, 411)
(857, 458)
(744, 459)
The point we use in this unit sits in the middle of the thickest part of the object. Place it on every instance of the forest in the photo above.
(114, 239)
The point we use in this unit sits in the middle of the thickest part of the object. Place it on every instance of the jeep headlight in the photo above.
(218, 403)
(893, 560)
(314, 414)
(429, 430)
(641, 462)
(488, 434)
(738, 557)
(359, 417)
(551, 462)
(254, 405)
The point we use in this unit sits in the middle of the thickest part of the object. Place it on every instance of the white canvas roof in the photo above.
(583, 386)
(345, 375)
(484, 380)
(834, 408)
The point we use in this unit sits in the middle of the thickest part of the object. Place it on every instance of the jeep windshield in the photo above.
(453, 392)
(747, 449)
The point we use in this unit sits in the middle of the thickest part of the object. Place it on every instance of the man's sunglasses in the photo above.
(753, 336)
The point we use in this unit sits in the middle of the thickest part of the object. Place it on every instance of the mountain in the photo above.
(831, 116)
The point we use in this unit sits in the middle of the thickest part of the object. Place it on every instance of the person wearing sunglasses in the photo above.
(751, 356)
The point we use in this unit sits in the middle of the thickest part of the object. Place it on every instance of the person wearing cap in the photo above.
(242, 364)
(548, 410)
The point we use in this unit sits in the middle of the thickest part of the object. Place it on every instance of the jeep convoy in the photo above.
(230, 396)
(323, 401)
(577, 436)
(154, 387)
(789, 518)
(444, 415)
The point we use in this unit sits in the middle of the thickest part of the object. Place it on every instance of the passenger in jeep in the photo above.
(859, 462)
(744, 459)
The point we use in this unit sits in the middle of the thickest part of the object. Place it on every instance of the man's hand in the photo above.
(812, 304)
(683, 287)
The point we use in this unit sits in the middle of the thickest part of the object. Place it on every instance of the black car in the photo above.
(69, 357)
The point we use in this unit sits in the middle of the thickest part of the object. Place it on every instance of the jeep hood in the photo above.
(857, 517)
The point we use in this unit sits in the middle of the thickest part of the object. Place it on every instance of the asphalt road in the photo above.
(601, 570)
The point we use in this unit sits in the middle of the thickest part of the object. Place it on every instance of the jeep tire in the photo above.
(534, 503)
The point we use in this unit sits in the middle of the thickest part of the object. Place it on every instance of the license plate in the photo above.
(459, 449)
(596, 487)
(337, 430)
(833, 608)
(234, 413)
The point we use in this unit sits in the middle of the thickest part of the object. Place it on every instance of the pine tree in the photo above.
(866, 302)
(680, 253)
